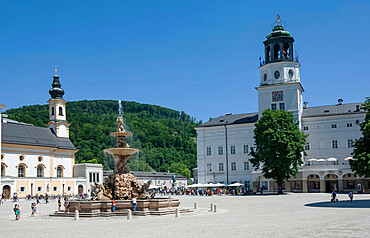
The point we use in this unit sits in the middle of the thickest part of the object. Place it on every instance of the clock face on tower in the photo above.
(277, 96)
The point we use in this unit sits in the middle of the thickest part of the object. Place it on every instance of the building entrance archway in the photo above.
(313, 182)
(6, 191)
(331, 183)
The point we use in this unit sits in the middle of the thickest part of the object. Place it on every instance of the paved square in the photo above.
(290, 215)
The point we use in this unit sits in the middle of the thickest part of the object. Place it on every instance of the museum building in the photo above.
(39, 160)
(224, 143)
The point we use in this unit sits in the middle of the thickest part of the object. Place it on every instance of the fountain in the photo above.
(123, 187)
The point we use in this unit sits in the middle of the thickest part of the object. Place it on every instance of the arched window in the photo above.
(52, 111)
(60, 111)
(276, 52)
(21, 171)
(40, 171)
(60, 171)
(21, 157)
(286, 51)
(268, 54)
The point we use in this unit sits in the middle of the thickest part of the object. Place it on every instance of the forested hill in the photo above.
(164, 136)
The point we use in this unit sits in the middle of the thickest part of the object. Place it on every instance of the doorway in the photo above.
(6, 191)
(80, 189)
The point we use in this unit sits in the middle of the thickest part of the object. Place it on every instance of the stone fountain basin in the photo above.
(121, 151)
(155, 204)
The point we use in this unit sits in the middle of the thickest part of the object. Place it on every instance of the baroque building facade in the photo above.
(38, 160)
(224, 143)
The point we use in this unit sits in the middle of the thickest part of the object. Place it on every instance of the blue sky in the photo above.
(197, 56)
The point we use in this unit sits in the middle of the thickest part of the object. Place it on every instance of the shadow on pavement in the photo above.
(342, 204)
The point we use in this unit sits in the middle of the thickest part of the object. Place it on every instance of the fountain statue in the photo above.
(122, 185)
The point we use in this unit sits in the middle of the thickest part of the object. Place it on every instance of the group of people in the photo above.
(335, 199)
(133, 205)
(201, 191)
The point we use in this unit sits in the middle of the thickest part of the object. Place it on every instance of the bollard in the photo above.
(195, 205)
(177, 213)
(211, 207)
(77, 215)
(214, 208)
(129, 214)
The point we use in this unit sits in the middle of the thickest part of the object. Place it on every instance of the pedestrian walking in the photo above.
(16, 211)
(59, 204)
(350, 195)
(46, 198)
(134, 204)
(333, 196)
(33, 209)
(38, 199)
(67, 204)
(113, 205)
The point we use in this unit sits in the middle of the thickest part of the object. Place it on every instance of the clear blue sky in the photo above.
(197, 56)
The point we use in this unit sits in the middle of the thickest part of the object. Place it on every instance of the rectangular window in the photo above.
(55, 189)
(273, 106)
(334, 144)
(208, 150)
(349, 124)
(245, 149)
(305, 128)
(233, 166)
(246, 166)
(307, 146)
(333, 125)
(247, 184)
(22, 189)
(220, 150)
(39, 189)
(91, 177)
(69, 188)
(97, 177)
(282, 106)
(350, 143)
(209, 167)
(220, 166)
(232, 149)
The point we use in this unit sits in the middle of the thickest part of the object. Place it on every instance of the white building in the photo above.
(38, 160)
(223, 144)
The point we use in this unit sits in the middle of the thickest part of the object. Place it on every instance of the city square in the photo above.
(288, 215)
(197, 119)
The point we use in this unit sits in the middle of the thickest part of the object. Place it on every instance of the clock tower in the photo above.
(280, 87)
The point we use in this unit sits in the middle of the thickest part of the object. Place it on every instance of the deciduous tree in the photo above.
(279, 146)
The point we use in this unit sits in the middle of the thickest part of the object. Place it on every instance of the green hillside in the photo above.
(164, 136)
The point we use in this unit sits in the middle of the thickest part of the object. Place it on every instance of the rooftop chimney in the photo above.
(4, 118)
(305, 105)
(340, 101)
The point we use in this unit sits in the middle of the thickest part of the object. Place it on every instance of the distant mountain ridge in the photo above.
(165, 137)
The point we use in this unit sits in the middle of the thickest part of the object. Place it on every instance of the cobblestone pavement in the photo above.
(289, 215)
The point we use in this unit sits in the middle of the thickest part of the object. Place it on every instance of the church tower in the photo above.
(280, 87)
(57, 109)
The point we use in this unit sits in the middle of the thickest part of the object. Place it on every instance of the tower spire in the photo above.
(56, 91)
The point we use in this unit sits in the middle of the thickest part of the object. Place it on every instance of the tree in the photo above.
(279, 146)
(180, 168)
(361, 151)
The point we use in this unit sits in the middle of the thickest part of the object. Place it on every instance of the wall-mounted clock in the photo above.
(277, 96)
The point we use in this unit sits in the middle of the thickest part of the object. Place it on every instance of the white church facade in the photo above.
(38, 160)
(224, 143)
